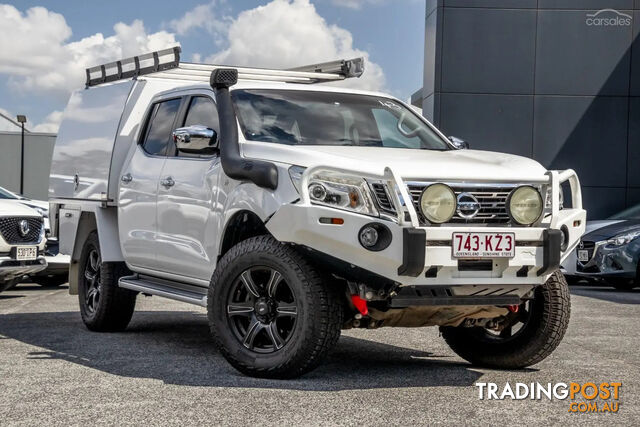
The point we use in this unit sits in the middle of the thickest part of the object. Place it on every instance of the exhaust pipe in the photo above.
(261, 173)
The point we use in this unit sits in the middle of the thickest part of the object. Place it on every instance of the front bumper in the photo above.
(11, 268)
(416, 251)
(422, 255)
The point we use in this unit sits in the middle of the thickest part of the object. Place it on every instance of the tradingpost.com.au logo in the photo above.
(608, 18)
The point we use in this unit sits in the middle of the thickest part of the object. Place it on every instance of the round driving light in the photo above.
(368, 236)
(438, 203)
(525, 205)
(317, 192)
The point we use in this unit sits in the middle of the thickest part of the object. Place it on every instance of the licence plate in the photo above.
(26, 253)
(483, 245)
(583, 255)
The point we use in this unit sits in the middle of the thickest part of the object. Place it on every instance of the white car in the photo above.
(22, 242)
(57, 271)
(292, 209)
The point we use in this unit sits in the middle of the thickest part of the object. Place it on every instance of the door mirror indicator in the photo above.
(460, 144)
(196, 139)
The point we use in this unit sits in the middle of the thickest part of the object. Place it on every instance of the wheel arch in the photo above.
(105, 222)
(242, 225)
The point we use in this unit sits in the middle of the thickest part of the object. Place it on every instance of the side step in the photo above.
(165, 288)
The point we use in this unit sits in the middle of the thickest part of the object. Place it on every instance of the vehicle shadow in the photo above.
(606, 293)
(175, 347)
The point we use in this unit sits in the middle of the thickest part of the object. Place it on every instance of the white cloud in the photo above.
(35, 53)
(50, 124)
(289, 33)
(209, 17)
(354, 4)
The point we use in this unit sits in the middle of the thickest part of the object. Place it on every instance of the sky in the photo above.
(46, 45)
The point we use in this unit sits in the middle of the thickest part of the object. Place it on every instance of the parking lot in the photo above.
(164, 370)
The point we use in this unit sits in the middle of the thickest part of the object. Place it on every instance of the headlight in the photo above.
(438, 203)
(623, 239)
(337, 190)
(525, 205)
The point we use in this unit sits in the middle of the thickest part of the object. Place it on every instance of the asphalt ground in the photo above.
(164, 370)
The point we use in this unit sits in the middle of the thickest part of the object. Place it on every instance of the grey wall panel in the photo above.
(431, 5)
(433, 27)
(37, 162)
(488, 50)
(573, 58)
(508, 4)
(635, 55)
(585, 4)
(431, 108)
(10, 161)
(636, 5)
(633, 160)
(584, 133)
(602, 202)
(489, 122)
(38, 150)
(633, 196)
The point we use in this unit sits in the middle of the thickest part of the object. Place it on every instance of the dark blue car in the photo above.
(611, 253)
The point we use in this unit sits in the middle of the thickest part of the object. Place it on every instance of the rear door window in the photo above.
(162, 118)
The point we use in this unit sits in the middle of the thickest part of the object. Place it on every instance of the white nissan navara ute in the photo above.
(292, 209)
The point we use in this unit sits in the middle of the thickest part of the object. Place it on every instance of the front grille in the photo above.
(493, 203)
(10, 229)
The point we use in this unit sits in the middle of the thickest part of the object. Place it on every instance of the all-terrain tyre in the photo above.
(271, 314)
(544, 321)
(104, 306)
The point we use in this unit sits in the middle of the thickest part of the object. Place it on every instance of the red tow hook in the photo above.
(513, 308)
(360, 304)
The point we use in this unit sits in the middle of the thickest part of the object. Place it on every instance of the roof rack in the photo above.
(165, 64)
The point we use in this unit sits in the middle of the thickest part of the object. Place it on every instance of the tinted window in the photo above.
(160, 126)
(202, 111)
(330, 118)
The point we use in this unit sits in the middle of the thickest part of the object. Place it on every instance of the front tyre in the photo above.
(270, 313)
(532, 334)
(104, 306)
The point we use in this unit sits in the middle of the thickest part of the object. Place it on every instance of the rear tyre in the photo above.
(104, 306)
(270, 313)
(541, 324)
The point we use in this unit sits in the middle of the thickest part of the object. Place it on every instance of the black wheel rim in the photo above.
(262, 310)
(92, 281)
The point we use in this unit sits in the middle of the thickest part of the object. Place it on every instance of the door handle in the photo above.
(126, 178)
(168, 182)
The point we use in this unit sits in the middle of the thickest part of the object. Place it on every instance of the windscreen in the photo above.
(295, 117)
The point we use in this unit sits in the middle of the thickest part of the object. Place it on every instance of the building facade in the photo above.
(554, 80)
(38, 149)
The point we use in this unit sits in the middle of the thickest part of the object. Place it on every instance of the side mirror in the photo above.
(196, 139)
(460, 144)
